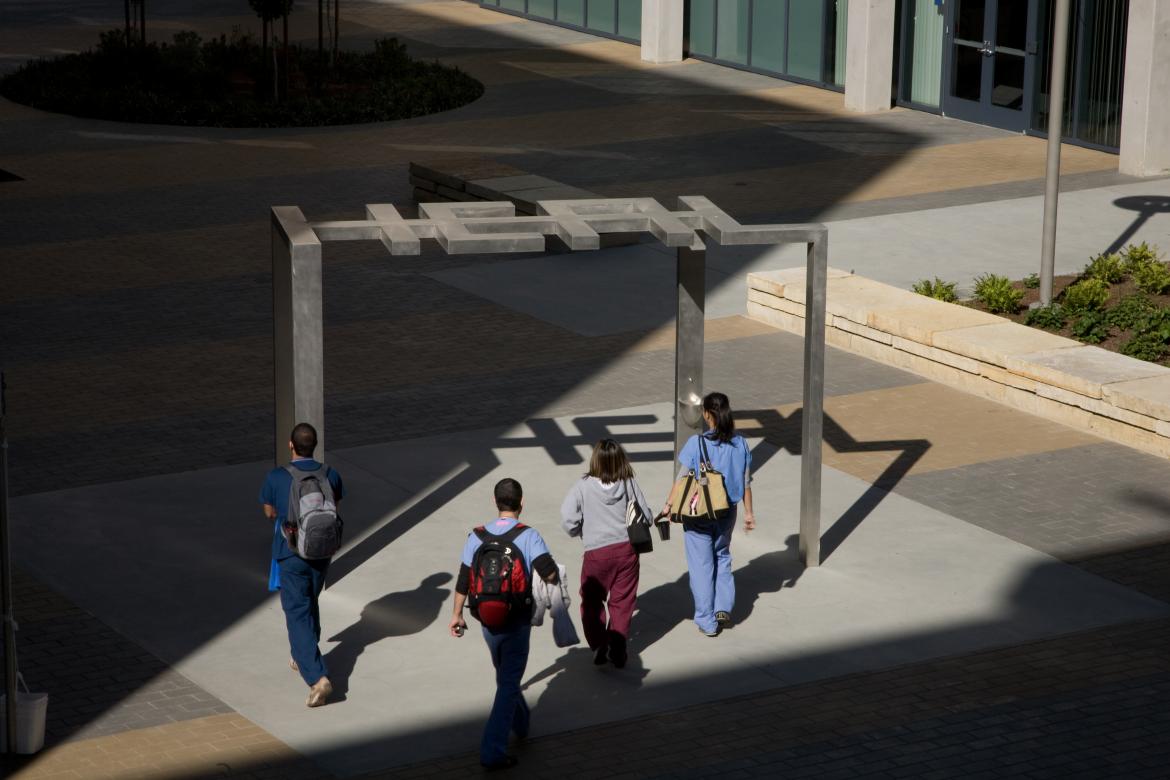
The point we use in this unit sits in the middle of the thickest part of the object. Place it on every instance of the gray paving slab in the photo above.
(748, 148)
(908, 584)
(958, 243)
(1123, 499)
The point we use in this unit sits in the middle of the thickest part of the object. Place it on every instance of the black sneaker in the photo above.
(507, 763)
(599, 656)
(714, 632)
(723, 619)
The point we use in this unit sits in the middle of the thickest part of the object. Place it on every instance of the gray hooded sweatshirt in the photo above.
(596, 511)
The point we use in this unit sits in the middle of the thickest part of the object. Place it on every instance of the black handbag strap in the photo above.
(704, 458)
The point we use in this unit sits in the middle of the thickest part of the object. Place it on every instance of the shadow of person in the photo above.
(767, 573)
(395, 614)
(576, 685)
(659, 610)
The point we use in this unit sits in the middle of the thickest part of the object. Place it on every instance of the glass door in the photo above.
(991, 57)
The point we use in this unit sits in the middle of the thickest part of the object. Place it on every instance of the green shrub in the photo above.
(998, 294)
(1108, 268)
(1153, 278)
(1032, 281)
(1137, 255)
(1086, 295)
(937, 289)
(1130, 311)
(1092, 327)
(1151, 339)
(1145, 346)
(1048, 317)
(226, 82)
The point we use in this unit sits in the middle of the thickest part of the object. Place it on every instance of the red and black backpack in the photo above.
(498, 586)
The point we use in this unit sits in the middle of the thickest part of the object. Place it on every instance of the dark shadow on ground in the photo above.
(395, 614)
(908, 694)
(785, 432)
(1146, 207)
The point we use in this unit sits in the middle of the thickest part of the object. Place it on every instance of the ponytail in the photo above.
(717, 405)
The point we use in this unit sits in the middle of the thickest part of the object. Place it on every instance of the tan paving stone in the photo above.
(161, 752)
(941, 427)
(914, 172)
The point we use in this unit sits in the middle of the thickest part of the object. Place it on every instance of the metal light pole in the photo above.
(1055, 131)
(6, 583)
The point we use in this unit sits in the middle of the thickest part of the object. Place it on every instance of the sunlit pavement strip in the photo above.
(908, 584)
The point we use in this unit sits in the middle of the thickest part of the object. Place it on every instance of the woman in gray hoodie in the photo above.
(595, 510)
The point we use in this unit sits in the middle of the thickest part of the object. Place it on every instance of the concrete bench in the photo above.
(1111, 395)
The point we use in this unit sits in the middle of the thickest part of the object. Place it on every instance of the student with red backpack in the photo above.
(495, 582)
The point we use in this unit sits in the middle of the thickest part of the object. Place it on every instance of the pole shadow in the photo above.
(1146, 207)
(784, 433)
(395, 614)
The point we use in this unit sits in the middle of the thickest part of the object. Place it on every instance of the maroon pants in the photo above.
(609, 577)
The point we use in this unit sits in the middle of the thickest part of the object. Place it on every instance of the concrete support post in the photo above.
(662, 30)
(298, 332)
(1145, 112)
(869, 58)
(812, 413)
(688, 343)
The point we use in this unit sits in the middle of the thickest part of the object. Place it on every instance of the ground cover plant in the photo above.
(1120, 302)
(233, 82)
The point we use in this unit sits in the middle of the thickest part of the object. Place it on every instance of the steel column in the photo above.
(7, 615)
(1052, 166)
(812, 415)
(691, 275)
(298, 333)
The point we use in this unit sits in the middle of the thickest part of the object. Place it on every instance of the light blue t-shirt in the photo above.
(530, 542)
(732, 459)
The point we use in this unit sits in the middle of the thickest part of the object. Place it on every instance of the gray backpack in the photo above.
(313, 521)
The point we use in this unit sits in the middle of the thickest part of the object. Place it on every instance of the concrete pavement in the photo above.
(990, 573)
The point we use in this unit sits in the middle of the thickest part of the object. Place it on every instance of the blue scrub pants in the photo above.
(509, 649)
(301, 583)
(708, 547)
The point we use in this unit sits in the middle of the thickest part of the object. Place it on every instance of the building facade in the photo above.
(984, 61)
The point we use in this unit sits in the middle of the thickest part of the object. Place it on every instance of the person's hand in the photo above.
(458, 626)
(749, 523)
(665, 510)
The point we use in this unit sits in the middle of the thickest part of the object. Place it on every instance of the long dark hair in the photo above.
(609, 462)
(720, 408)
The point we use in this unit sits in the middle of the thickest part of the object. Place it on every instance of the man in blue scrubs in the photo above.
(508, 644)
(300, 581)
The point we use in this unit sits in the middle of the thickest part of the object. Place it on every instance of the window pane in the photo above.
(571, 12)
(1098, 74)
(702, 28)
(806, 38)
(630, 19)
(512, 5)
(542, 8)
(768, 21)
(969, 17)
(602, 16)
(1011, 24)
(926, 41)
(1007, 87)
(841, 29)
(732, 31)
(968, 73)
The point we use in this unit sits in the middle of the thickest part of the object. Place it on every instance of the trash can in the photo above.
(31, 709)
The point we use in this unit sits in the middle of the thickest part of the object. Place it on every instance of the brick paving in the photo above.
(137, 313)
(100, 682)
(1087, 705)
